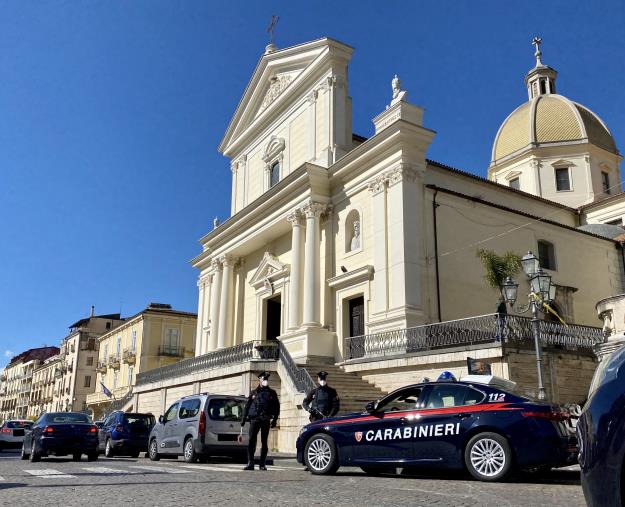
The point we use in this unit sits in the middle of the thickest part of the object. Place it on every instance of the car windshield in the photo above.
(139, 420)
(226, 409)
(66, 417)
(19, 424)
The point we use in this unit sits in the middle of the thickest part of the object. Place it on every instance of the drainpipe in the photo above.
(438, 282)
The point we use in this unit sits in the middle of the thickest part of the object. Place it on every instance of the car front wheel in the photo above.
(153, 450)
(34, 455)
(488, 457)
(23, 453)
(320, 455)
(108, 449)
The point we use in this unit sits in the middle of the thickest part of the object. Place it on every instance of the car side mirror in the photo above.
(160, 419)
(371, 407)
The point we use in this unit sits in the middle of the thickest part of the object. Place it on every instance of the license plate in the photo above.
(18, 433)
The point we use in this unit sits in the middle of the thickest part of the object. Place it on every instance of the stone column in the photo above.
(380, 296)
(233, 207)
(313, 211)
(297, 222)
(200, 308)
(214, 306)
(206, 313)
(225, 320)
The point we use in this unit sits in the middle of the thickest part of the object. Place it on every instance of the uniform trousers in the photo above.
(258, 424)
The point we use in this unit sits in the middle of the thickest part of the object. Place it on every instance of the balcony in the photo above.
(58, 373)
(101, 368)
(130, 356)
(114, 361)
(511, 331)
(3, 378)
(171, 351)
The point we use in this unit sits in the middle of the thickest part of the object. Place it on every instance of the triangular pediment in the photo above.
(269, 270)
(280, 78)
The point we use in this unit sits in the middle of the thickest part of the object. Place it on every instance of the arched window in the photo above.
(274, 174)
(353, 232)
(546, 255)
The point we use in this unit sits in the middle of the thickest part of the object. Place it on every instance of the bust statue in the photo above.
(355, 243)
(215, 223)
(398, 93)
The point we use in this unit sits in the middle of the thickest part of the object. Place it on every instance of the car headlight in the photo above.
(304, 428)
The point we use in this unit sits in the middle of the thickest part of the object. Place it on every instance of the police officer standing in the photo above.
(262, 411)
(322, 401)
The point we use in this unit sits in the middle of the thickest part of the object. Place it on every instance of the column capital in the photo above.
(314, 209)
(295, 218)
(228, 260)
(216, 264)
(378, 184)
(401, 172)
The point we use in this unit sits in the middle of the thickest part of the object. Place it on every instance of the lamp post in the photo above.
(541, 291)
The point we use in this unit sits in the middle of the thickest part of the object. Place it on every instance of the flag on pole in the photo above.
(105, 390)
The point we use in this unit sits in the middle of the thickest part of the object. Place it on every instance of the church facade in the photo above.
(333, 235)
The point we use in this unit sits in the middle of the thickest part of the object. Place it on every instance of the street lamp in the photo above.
(542, 291)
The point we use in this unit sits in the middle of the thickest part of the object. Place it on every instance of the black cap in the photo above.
(264, 375)
(322, 374)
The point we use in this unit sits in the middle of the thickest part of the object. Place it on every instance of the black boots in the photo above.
(250, 466)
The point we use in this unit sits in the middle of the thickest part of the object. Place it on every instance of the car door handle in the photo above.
(463, 415)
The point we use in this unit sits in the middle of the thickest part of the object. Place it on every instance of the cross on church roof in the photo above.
(537, 41)
(272, 26)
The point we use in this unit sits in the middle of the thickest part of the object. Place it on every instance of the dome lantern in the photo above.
(541, 80)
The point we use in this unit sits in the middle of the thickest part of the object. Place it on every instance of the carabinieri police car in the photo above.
(475, 423)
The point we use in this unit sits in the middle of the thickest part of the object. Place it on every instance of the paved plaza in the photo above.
(118, 481)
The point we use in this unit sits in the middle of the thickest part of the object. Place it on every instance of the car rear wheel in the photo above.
(190, 455)
(93, 456)
(108, 449)
(34, 456)
(76, 456)
(153, 450)
(23, 453)
(320, 455)
(488, 457)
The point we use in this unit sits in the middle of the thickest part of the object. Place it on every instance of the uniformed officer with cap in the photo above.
(322, 401)
(262, 411)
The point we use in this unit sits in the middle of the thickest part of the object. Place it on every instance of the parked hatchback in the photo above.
(199, 426)
(12, 433)
(125, 434)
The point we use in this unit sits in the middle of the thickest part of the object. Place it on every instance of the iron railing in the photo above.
(494, 328)
(231, 355)
(299, 376)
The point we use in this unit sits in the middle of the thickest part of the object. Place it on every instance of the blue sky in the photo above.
(111, 112)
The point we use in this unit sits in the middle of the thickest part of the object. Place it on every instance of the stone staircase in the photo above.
(353, 391)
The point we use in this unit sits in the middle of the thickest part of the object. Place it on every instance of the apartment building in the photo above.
(76, 372)
(156, 336)
(18, 379)
(42, 391)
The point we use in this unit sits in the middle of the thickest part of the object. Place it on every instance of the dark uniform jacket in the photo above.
(322, 401)
(262, 403)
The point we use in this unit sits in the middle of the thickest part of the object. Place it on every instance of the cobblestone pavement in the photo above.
(119, 481)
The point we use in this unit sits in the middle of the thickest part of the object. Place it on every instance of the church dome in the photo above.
(550, 118)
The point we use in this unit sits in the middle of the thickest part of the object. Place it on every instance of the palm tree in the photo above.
(499, 267)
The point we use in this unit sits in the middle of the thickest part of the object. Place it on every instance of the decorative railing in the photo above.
(130, 356)
(299, 376)
(101, 367)
(231, 355)
(113, 361)
(494, 328)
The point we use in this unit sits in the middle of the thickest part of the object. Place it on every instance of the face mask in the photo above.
(322, 383)
(264, 383)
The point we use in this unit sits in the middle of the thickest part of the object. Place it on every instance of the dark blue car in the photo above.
(61, 434)
(601, 430)
(125, 434)
(470, 424)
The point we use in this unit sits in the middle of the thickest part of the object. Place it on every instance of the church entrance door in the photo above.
(357, 316)
(274, 311)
